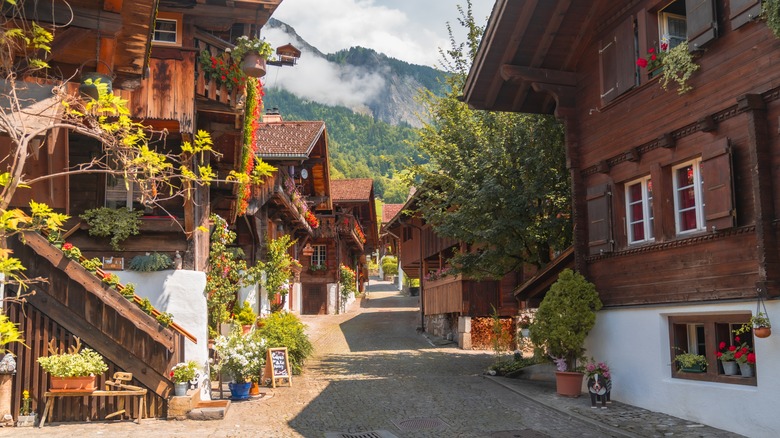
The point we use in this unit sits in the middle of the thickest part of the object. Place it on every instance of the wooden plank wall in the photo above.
(443, 296)
(480, 297)
(38, 328)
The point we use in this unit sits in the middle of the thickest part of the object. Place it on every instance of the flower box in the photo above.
(26, 420)
(85, 384)
(693, 369)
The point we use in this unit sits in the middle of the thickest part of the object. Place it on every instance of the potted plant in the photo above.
(252, 54)
(246, 317)
(182, 374)
(26, 415)
(745, 358)
(73, 370)
(674, 65)
(240, 359)
(760, 325)
(691, 363)
(726, 357)
(561, 324)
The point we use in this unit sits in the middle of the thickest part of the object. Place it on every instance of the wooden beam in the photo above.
(59, 13)
(515, 73)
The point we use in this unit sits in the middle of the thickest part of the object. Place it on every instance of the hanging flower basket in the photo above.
(253, 65)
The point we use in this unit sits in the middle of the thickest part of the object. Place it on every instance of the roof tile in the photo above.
(281, 139)
(358, 189)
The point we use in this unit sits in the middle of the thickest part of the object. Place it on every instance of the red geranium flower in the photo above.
(642, 62)
(722, 345)
(67, 246)
(736, 338)
(732, 347)
(651, 50)
(737, 355)
(751, 357)
(718, 354)
(653, 57)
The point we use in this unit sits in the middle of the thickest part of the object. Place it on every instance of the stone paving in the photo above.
(374, 376)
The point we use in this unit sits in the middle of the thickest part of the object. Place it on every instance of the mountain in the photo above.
(360, 79)
(368, 103)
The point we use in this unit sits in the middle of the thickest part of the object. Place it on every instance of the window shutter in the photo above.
(626, 56)
(599, 200)
(718, 186)
(743, 11)
(618, 62)
(607, 56)
(702, 22)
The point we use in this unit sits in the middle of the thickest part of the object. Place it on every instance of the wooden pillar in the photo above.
(579, 207)
(759, 145)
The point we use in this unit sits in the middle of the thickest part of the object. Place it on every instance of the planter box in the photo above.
(85, 384)
(27, 420)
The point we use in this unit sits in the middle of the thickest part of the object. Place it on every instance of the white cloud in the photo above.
(317, 79)
(409, 30)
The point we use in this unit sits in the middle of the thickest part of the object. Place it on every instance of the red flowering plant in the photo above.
(744, 354)
(72, 252)
(312, 220)
(223, 70)
(592, 368)
(654, 58)
(726, 353)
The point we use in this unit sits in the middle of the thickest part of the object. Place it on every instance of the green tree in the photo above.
(496, 181)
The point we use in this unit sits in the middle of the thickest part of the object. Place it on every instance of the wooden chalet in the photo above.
(154, 64)
(355, 217)
(445, 300)
(294, 199)
(388, 242)
(675, 195)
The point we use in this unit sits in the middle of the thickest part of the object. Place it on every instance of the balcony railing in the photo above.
(217, 77)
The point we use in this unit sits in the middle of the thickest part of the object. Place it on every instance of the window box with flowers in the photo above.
(673, 65)
(222, 70)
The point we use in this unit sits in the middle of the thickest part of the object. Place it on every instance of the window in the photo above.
(121, 194)
(672, 24)
(703, 334)
(319, 257)
(407, 233)
(167, 29)
(688, 205)
(639, 210)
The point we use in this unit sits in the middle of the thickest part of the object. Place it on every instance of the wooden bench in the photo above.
(124, 390)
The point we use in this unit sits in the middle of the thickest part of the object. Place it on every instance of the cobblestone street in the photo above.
(374, 376)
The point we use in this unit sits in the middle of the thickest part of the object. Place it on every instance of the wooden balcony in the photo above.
(211, 92)
(454, 294)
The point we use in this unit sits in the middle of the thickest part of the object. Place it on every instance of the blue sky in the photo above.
(410, 30)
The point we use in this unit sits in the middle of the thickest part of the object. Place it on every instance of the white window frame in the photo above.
(320, 255)
(697, 193)
(663, 24)
(647, 211)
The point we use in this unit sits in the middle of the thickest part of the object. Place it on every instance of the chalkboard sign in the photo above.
(277, 365)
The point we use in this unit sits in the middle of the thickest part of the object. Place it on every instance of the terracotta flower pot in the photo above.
(86, 384)
(762, 332)
(253, 65)
(254, 389)
(568, 384)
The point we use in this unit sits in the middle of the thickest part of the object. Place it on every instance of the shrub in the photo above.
(245, 315)
(390, 265)
(84, 363)
(119, 223)
(283, 329)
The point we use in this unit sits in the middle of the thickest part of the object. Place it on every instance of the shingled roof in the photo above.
(288, 139)
(389, 211)
(344, 190)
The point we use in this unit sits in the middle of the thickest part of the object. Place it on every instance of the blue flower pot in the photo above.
(239, 391)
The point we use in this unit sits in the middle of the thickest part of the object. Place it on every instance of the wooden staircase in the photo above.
(74, 302)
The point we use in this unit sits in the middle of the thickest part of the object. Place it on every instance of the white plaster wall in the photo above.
(180, 292)
(400, 277)
(295, 298)
(634, 342)
(252, 295)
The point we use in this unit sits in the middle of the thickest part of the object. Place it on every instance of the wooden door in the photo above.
(315, 299)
